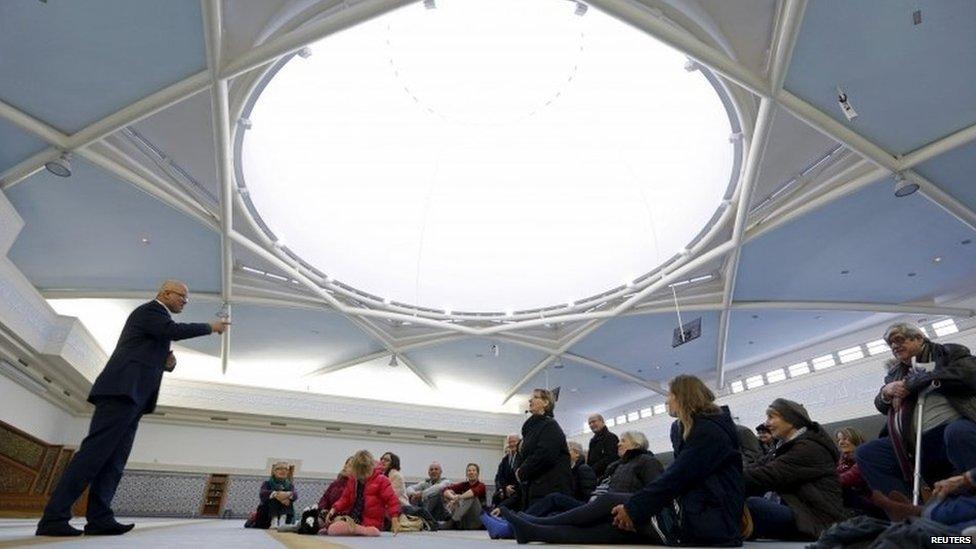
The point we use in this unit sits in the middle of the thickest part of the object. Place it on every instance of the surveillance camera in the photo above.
(845, 104)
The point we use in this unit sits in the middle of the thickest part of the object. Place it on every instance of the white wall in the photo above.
(34, 415)
(216, 449)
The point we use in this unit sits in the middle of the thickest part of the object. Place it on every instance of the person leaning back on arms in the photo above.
(125, 390)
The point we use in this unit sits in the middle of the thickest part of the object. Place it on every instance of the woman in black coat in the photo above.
(802, 474)
(705, 480)
(544, 467)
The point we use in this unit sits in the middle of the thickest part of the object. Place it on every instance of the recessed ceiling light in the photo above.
(755, 316)
(751, 342)
(677, 364)
(639, 370)
(937, 259)
(845, 271)
(144, 240)
(60, 166)
(819, 317)
(574, 390)
(657, 367)
(911, 274)
(967, 241)
(904, 187)
(603, 376)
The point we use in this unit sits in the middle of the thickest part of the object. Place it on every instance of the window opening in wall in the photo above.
(737, 387)
(850, 355)
(775, 375)
(945, 327)
(660, 409)
(824, 362)
(754, 381)
(877, 347)
(799, 369)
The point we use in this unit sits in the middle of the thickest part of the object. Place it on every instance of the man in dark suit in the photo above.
(603, 446)
(125, 390)
(505, 481)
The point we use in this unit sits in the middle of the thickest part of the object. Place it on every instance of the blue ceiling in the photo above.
(584, 391)
(643, 342)
(874, 235)
(77, 62)
(16, 145)
(755, 335)
(472, 361)
(910, 84)
(281, 333)
(954, 172)
(84, 231)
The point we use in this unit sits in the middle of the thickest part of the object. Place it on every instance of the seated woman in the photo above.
(390, 463)
(277, 499)
(705, 481)
(796, 491)
(636, 468)
(334, 491)
(854, 489)
(465, 500)
(584, 479)
(366, 501)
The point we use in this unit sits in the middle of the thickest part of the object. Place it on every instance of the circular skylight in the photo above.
(487, 155)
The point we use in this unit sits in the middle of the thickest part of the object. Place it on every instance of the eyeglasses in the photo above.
(182, 296)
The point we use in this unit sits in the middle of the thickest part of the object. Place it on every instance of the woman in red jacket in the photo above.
(857, 495)
(367, 499)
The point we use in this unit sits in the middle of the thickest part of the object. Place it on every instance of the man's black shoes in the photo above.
(112, 529)
(59, 529)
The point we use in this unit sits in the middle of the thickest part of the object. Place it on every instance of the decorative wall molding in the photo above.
(182, 393)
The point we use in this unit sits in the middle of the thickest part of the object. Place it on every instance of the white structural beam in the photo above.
(626, 376)
(784, 40)
(654, 23)
(853, 306)
(943, 199)
(153, 186)
(34, 126)
(757, 148)
(540, 366)
(27, 167)
(220, 109)
(350, 15)
(936, 148)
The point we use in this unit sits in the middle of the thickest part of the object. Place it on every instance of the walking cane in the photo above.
(917, 481)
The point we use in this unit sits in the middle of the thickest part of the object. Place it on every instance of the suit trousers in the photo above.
(98, 463)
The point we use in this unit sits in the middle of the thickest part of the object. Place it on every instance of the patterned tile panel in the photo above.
(43, 475)
(159, 494)
(20, 448)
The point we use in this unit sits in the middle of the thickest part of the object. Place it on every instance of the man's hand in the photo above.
(510, 490)
(218, 326)
(951, 485)
(622, 520)
(170, 362)
(415, 499)
(895, 389)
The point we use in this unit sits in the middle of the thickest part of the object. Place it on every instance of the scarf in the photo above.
(283, 485)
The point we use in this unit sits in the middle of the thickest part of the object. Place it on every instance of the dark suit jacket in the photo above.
(135, 369)
(504, 477)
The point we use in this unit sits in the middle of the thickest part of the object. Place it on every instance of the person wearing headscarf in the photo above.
(795, 492)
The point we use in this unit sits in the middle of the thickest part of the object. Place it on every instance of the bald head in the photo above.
(173, 294)
(596, 422)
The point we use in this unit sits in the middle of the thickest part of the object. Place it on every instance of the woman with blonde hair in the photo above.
(704, 481)
(367, 500)
(544, 467)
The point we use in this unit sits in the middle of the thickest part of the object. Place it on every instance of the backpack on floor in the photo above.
(310, 523)
(918, 532)
(410, 523)
(858, 532)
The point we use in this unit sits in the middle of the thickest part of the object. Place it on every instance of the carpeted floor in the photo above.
(194, 534)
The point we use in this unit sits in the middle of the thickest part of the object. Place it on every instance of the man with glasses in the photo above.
(125, 390)
(948, 416)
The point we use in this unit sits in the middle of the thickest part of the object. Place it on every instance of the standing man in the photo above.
(603, 446)
(505, 481)
(125, 390)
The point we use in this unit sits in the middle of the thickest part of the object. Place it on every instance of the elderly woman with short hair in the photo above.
(584, 479)
(948, 427)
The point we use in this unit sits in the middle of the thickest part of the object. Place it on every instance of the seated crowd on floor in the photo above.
(791, 480)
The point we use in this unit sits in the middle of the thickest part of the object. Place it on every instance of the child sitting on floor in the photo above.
(366, 501)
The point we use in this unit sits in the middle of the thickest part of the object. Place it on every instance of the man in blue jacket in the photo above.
(125, 390)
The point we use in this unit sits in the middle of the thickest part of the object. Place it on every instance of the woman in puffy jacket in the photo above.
(366, 501)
